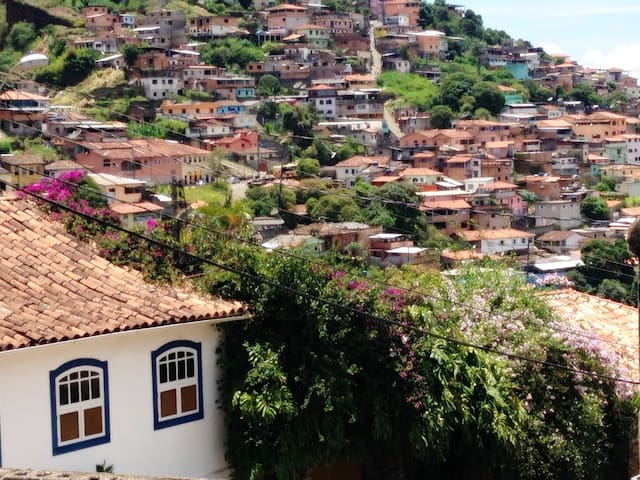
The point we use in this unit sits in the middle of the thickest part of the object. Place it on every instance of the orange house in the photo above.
(408, 8)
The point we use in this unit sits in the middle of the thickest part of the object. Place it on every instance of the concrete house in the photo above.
(498, 241)
(102, 366)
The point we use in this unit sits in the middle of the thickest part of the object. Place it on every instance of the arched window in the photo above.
(177, 383)
(79, 405)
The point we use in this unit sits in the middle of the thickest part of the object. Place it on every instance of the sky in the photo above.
(597, 34)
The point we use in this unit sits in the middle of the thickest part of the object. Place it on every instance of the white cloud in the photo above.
(550, 48)
(625, 56)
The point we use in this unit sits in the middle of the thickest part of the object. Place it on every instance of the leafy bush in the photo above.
(21, 35)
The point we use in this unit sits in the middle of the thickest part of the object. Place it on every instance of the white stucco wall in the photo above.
(506, 245)
(190, 449)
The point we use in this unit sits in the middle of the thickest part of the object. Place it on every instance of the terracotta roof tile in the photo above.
(55, 288)
(497, 234)
(610, 321)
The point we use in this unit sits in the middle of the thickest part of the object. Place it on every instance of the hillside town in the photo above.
(535, 163)
(470, 178)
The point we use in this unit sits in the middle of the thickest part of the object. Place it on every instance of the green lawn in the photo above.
(204, 193)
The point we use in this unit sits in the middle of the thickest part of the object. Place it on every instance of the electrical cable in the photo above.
(340, 306)
(372, 198)
(289, 254)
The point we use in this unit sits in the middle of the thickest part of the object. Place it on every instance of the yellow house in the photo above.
(18, 171)
(119, 189)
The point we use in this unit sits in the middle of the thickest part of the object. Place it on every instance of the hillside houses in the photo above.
(473, 175)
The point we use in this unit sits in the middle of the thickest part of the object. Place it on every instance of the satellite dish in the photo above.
(32, 61)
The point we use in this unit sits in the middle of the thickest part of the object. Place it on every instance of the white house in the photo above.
(500, 240)
(350, 169)
(158, 87)
(561, 241)
(564, 213)
(98, 366)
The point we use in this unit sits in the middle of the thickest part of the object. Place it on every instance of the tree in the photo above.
(530, 197)
(441, 116)
(594, 208)
(604, 260)
(308, 168)
(586, 94)
(299, 120)
(607, 184)
(76, 66)
(482, 113)
(267, 111)
(231, 51)
(130, 52)
(268, 85)
(488, 96)
(336, 208)
(264, 201)
(453, 87)
(21, 35)
(613, 289)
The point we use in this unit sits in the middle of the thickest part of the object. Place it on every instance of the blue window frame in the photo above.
(177, 383)
(79, 392)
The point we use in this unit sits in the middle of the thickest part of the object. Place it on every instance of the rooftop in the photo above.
(612, 322)
(54, 288)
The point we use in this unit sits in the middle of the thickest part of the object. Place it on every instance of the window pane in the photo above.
(95, 388)
(191, 367)
(93, 421)
(74, 376)
(168, 403)
(75, 393)
(172, 371)
(163, 373)
(84, 390)
(69, 427)
(181, 369)
(189, 398)
(63, 394)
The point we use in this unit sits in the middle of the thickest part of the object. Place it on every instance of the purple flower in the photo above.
(151, 224)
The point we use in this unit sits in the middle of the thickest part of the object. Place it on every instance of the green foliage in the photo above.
(308, 168)
(130, 52)
(21, 36)
(441, 116)
(594, 208)
(216, 7)
(229, 52)
(586, 94)
(173, 128)
(455, 86)
(268, 85)
(530, 197)
(69, 69)
(307, 382)
(611, 261)
(335, 208)
(488, 96)
(145, 129)
(320, 150)
(538, 93)
(348, 149)
(299, 120)
(264, 201)
(411, 88)
(607, 184)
